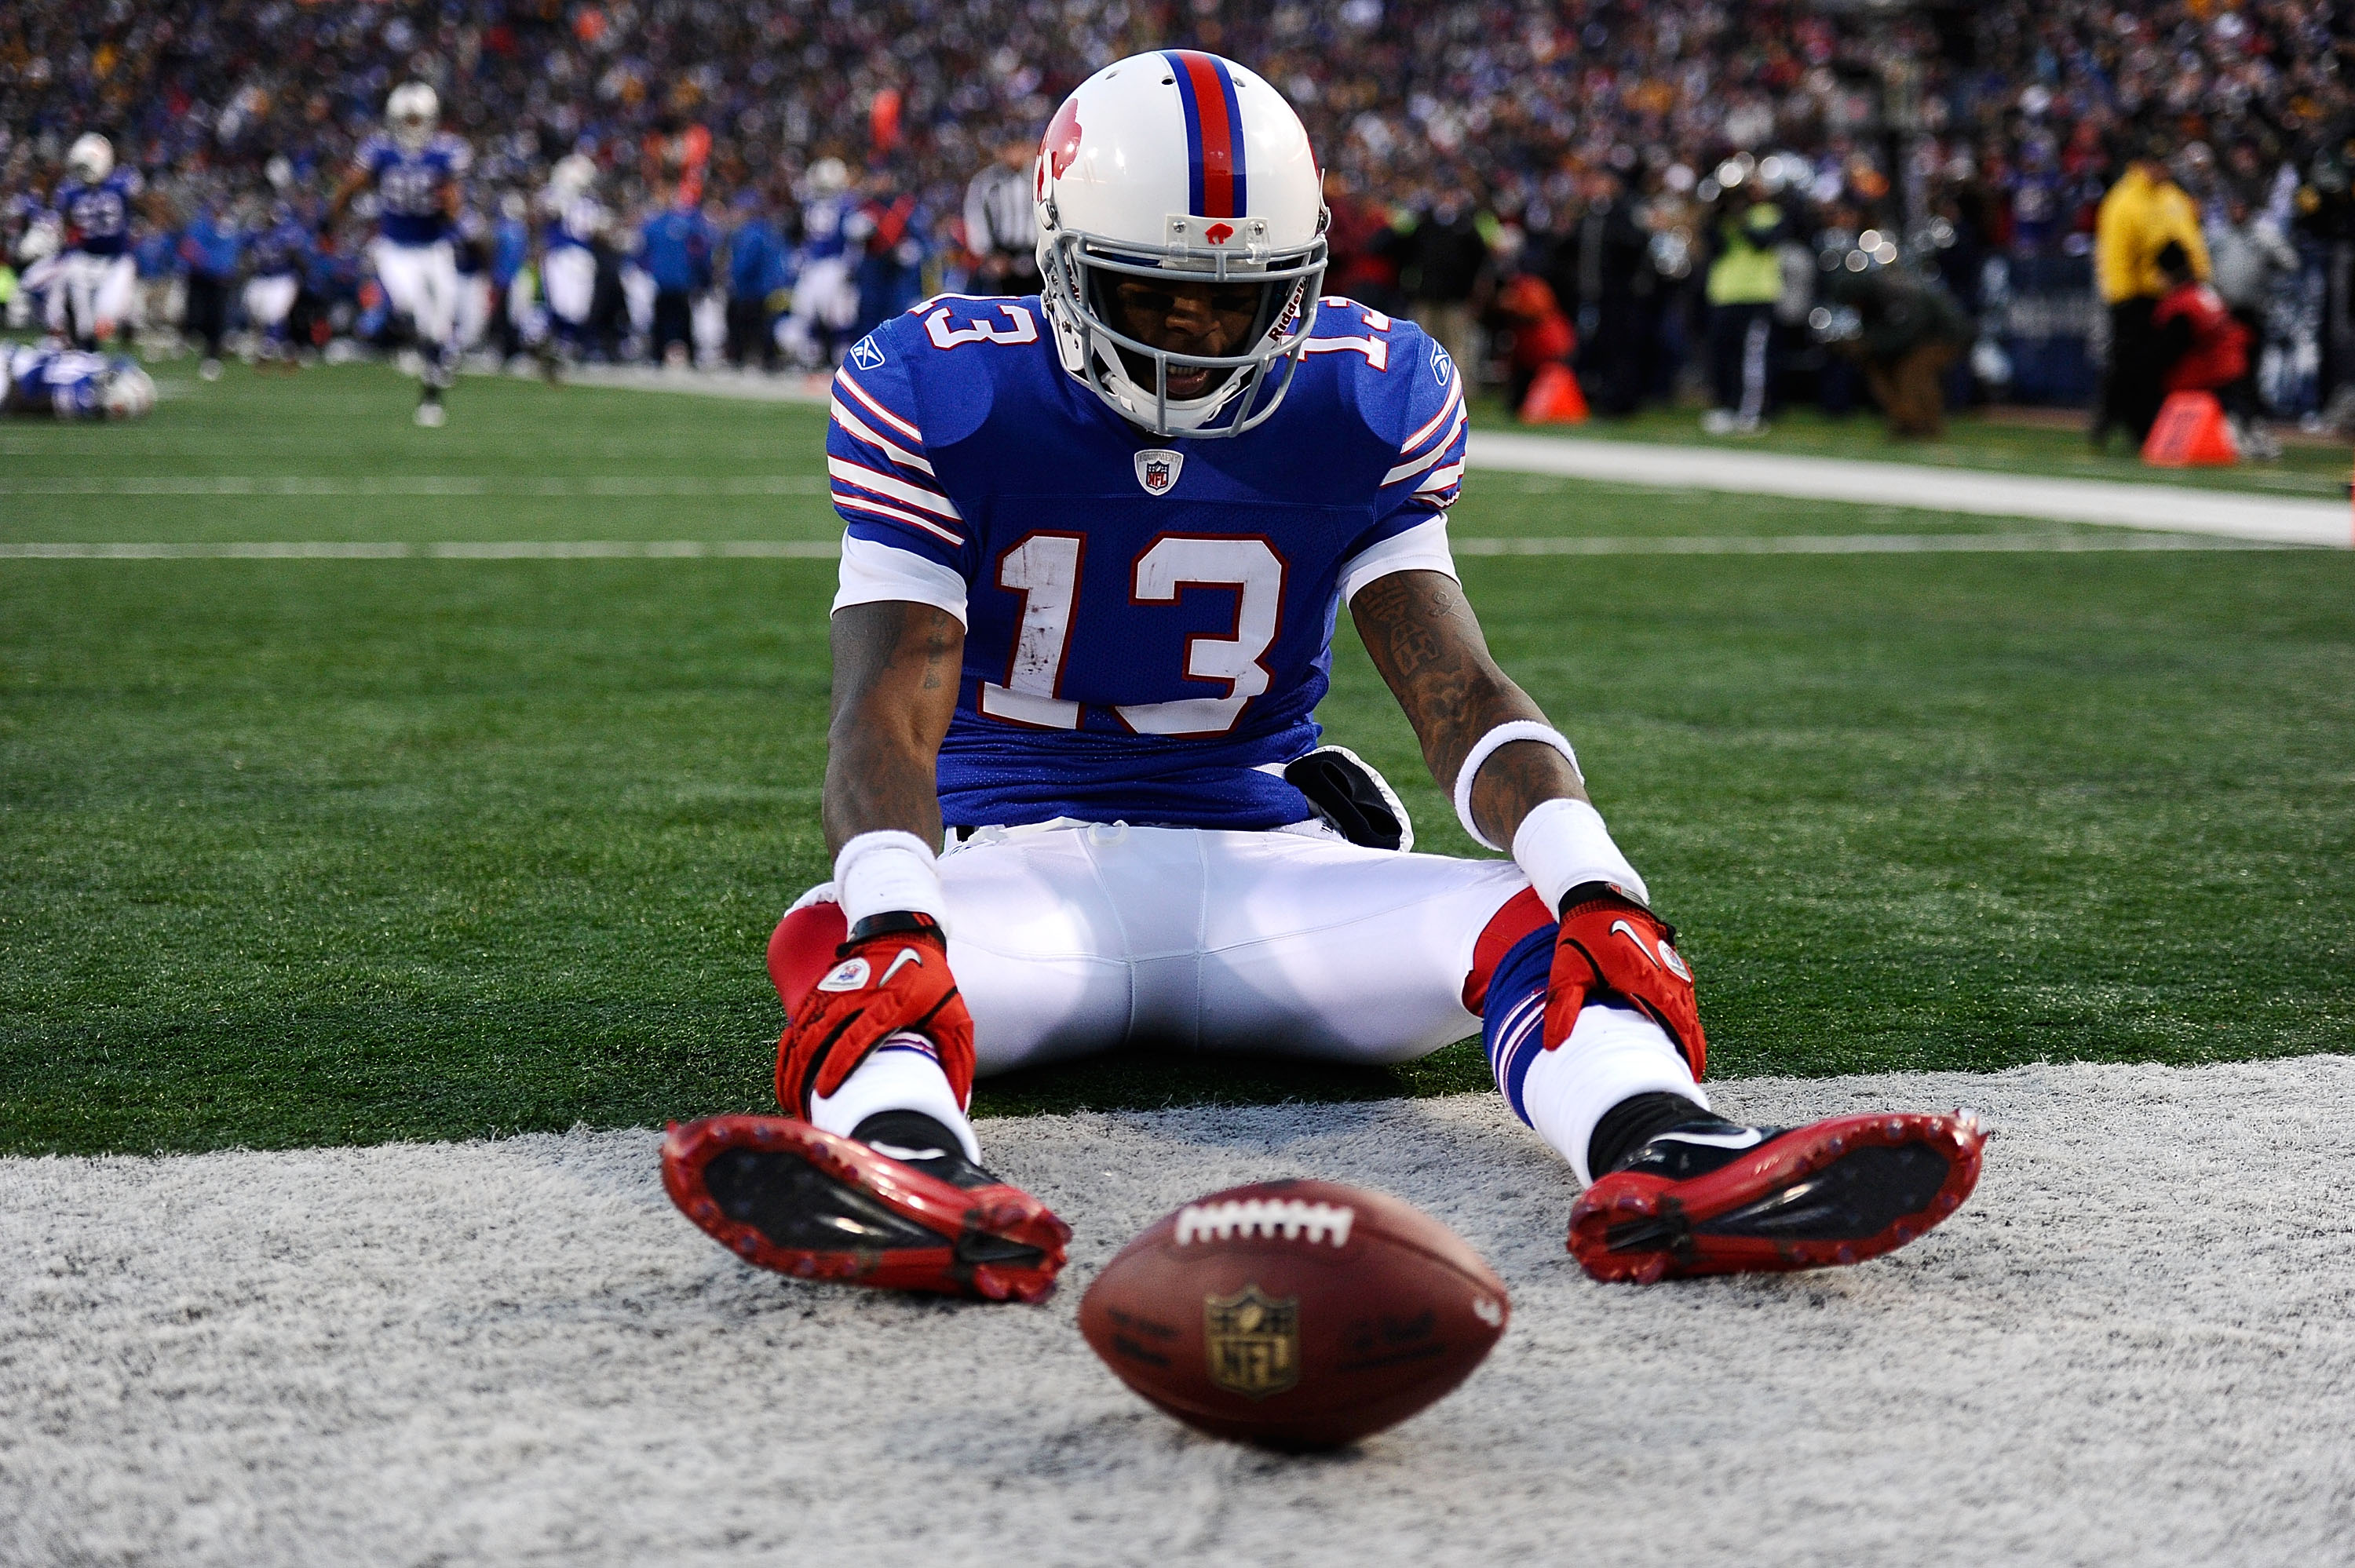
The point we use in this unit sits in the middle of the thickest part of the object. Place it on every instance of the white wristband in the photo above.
(1562, 843)
(1484, 747)
(888, 870)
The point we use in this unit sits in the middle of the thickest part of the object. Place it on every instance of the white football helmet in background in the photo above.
(92, 158)
(1179, 162)
(412, 113)
(827, 177)
(575, 174)
(128, 391)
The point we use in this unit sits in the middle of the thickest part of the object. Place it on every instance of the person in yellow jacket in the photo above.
(2143, 213)
(1745, 280)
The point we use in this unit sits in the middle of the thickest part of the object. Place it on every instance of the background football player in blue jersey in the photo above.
(825, 293)
(278, 250)
(571, 261)
(98, 279)
(416, 170)
(1096, 544)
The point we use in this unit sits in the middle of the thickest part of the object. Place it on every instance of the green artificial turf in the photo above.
(322, 852)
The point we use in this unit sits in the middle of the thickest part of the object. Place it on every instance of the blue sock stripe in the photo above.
(1513, 1028)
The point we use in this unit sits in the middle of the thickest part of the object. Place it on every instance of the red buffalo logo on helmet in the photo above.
(1219, 233)
(1062, 143)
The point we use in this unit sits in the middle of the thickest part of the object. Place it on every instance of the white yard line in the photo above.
(827, 550)
(2131, 1347)
(2107, 503)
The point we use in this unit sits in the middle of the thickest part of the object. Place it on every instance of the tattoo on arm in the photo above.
(1426, 642)
(896, 668)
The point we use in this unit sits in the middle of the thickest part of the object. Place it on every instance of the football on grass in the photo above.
(1297, 1314)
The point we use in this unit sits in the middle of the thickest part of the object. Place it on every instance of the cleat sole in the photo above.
(1837, 1192)
(919, 1233)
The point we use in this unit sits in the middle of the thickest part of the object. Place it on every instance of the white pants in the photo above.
(1069, 940)
(825, 295)
(269, 300)
(93, 293)
(420, 281)
(473, 309)
(569, 275)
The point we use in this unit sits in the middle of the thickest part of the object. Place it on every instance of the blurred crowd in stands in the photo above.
(1743, 204)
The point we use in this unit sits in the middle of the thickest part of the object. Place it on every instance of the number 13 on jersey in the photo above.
(1045, 568)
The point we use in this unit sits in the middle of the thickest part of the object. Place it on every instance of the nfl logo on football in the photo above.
(1157, 469)
(1253, 1341)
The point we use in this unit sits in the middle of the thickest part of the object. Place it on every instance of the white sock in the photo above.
(1611, 1055)
(902, 1073)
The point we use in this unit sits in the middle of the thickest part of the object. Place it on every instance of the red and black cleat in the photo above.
(1758, 1200)
(782, 1195)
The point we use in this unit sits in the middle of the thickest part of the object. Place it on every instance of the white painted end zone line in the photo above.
(2104, 502)
(828, 549)
(2110, 503)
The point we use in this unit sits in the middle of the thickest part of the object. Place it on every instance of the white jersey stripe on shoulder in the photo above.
(859, 430)
(857, 503)
(1445, 478)
(882, 484)
(1409, 470)
(843, 379)
(1455, 401)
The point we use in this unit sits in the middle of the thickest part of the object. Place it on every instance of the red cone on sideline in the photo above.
(2191, 432)
(1554, 398)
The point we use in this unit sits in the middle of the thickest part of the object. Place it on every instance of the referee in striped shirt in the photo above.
(999, 228)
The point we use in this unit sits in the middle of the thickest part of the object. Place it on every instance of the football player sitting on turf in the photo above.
(1097, 543)
(67, 384)
(416, 170)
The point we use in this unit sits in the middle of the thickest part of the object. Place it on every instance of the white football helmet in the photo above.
(91, 157)
(575, 174)
(128, 391)
(1179, 162)
(827, 177)
(412, 113)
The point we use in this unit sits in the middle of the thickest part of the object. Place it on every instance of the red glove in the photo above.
(1612, 947)
(893, 975)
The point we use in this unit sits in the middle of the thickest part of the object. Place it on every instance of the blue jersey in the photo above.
(99, 216)
(674, 248)
(580, 219)
(823, 221)
(510, 249)
(65, 383)
(278, 250)
(755, 260)
(1149, 623)
(408, 185)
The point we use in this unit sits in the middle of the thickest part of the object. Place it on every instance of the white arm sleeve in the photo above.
(873, 573)
(1421, 548)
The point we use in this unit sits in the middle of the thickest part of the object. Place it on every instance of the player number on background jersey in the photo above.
(1044, 569)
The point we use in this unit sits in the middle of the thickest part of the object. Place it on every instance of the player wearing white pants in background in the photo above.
(95, 291)
(94, 296)
(416, 171)
(568, 274)
(1097, 543)
(270, 300)
(420, 281)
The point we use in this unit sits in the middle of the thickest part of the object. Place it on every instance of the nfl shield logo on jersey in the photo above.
(1156, 470)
